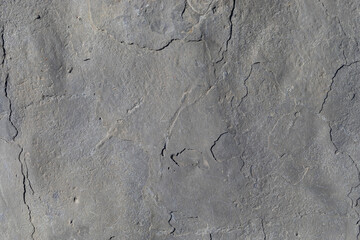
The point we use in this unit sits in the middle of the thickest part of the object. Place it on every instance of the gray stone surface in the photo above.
(179, 119)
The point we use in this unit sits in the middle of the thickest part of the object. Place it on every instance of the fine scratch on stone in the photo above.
(184, 104)
(306, 169)
(135, 106)
(175, 117)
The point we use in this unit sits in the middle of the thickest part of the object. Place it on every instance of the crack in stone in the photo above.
(333, 143)
(163, 150)
(169, 222)
(175, 117)
(25, 191)
(183, 11)
(143, 47)
(223, 53)
(27, 177)
(211, 148)
(96, 28)
(183, 105)
(331, 138)
(231, 28)
(24, 173)
(357, 169)
(245, 81)
(348, 195)
(263, 228)
(332, 83)
(172, 156)
(3, 46)
(334, 16)
(230, 35)
(10, 107)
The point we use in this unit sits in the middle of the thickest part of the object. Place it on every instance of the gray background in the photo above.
(179, 120)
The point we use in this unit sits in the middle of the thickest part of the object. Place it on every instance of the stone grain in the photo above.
(179, 119)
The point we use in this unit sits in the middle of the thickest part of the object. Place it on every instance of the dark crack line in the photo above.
(231, 25)
(263, 228)
(330, 88)
(356, 166)
(172, 156)
(212, 146)
(27, 177)
(358, 173)
(3, 46)
(183, 11)
(351, 200)
(151, 49)
(169, 222)
(325, 9)
(245, 83)
(163, 150)
(230, 35)
(10, 107)
(333, 143)
(332, 83)
(348, 195)
(24, 191)
(331, 139)
(166, 45)
(137, 45)
(24, 173)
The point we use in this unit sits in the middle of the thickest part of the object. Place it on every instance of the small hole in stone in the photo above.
(214, 9)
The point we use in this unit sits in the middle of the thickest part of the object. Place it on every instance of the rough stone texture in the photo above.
(179, 119)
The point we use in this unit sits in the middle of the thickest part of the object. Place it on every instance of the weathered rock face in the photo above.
(179, 119)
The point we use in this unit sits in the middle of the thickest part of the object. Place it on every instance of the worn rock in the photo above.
(179, 119)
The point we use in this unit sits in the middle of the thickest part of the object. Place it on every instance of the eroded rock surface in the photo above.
(179, 119)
